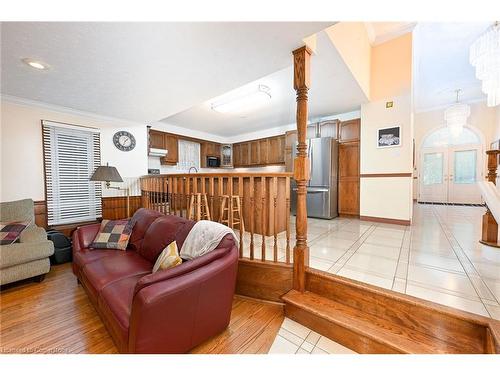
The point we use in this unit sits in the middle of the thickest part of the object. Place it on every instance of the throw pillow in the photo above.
(10, 232)
(113, 234)
(168, 258)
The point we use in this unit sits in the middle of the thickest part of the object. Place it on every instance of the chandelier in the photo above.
(456, 117)
(485, 57)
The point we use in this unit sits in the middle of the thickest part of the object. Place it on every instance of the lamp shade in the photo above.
(107, 174)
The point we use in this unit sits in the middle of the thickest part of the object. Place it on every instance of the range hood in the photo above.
(158, 152)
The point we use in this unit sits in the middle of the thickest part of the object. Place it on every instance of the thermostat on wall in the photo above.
(389, 104)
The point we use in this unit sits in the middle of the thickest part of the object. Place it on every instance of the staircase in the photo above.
(369, 319)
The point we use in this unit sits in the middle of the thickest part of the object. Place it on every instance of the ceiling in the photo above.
(441, 58)
(142, 71)
(333, 90)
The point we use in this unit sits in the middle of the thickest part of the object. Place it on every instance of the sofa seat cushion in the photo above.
(115, 303)
(85, 256)
(96, 275)
(160, 234)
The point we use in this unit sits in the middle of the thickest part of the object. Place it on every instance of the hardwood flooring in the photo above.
(56, 316)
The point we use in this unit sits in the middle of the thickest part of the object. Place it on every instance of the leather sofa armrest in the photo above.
(176, 314)
(222, 249)
(33, 234)
(84, 236)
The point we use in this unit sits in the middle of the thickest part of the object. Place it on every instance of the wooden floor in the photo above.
(56, 316)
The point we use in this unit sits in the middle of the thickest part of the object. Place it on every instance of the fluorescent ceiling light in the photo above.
(35, 64)
(247, 101)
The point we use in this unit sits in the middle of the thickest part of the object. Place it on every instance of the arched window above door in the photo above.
(442, 138)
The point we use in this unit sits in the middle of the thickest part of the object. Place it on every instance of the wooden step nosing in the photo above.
(352, 327)
(382, 336)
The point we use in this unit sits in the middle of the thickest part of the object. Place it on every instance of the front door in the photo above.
(464, 171)
(450, 174)
(434, 176)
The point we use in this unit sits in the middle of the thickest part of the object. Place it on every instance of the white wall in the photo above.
(22, 173)
(386, 197)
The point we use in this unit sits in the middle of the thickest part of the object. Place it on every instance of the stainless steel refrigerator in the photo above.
(323, 155)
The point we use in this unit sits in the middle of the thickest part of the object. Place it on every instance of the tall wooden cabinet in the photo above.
(349, 157)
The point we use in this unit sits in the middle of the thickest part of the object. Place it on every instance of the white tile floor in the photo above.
(294, 338)
(437, 258)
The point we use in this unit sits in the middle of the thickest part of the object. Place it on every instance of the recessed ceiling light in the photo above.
(35, 64)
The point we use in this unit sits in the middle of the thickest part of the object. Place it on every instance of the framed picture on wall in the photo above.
(389, 137)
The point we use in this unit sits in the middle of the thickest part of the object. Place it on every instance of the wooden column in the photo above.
(301, 65)
(490, 226)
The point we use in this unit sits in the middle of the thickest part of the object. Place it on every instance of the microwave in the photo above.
(213, 162)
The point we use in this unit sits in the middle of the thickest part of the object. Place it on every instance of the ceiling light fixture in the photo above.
(247, 101)
(485, 57)
(35, 64)
(456, 116)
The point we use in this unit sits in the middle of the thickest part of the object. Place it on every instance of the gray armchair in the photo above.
(29, 256)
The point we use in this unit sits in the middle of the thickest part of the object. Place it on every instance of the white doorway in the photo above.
(450, 167)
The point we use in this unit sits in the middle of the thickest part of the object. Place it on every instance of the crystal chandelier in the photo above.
(485, 57)
(456, 116)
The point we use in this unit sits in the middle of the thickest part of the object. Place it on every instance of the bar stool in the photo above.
(198, 207)
(230, 206)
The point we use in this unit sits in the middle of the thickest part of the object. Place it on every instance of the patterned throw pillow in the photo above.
(113, 234)
(10, 232)
(168, 258)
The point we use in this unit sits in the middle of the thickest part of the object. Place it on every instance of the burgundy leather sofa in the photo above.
(170, 311)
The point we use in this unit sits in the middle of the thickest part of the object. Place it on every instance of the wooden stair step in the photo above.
(358, 330)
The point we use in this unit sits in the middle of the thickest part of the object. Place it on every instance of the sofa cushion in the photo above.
(115, 303)
(122, 264)
(85, 256)
(168, 258)
(113, 234)
(10, 231)
(141, 221)
(161, 233)
(20, 253)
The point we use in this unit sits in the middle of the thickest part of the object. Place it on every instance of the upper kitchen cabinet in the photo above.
(209, 149)
(349, 130)
(260, 152)
(156, 139)
(172, 146)
(276, 150)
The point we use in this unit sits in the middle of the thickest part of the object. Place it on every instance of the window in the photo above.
(189, 155)
(465, 167)
(71, 154)
(433, 168)
(442, 138)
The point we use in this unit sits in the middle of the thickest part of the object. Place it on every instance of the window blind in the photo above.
(71, 154)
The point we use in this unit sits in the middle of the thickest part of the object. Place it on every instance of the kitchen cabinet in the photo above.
(237, 154)
(349, 161)
(349, 131)
(254, 153)
(156, 139)
(209, 149)
(260, 152)
(172, 145)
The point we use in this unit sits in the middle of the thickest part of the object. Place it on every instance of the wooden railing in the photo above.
(265, 206)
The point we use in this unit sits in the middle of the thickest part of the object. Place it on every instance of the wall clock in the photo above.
(124, 141)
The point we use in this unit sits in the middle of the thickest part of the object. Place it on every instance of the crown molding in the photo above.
(375, 39)
(68, 110)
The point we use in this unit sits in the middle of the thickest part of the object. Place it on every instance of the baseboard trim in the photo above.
(378, 175)
(385, 220)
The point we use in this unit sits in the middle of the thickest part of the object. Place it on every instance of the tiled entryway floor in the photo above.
(294, 338)
(437, 258)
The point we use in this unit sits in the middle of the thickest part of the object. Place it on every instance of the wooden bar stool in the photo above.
(198, 207)
(230, 212)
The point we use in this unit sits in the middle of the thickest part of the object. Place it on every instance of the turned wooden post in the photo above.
(301, 64)
(490, 226)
